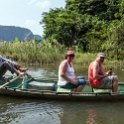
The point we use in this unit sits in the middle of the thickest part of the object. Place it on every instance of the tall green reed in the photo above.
(32, 52)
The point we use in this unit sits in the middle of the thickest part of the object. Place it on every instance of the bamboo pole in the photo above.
(8, 82)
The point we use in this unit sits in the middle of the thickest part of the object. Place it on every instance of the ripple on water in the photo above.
(19, 111)
(30, 113)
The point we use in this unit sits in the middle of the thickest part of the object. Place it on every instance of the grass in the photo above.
(33, 53)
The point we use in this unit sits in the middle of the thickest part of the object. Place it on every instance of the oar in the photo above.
(8, 82)
(25, 81)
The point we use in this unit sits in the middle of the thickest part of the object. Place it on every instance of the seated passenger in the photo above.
(66, 76)
(99, 79)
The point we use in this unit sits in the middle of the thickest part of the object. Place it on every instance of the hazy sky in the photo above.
(26, 13)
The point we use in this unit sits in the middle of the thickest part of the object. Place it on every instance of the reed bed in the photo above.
(33, 53)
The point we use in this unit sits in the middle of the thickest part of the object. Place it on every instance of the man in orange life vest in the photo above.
(99, 79)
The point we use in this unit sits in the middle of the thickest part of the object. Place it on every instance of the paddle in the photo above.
(8, 82)
(25, 82)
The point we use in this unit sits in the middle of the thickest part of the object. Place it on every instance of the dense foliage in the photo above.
(89, 25)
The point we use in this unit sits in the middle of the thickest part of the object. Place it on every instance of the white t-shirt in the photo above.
(69, 73)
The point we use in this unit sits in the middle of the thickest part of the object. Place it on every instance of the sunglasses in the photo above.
(72, 55)
(102, 57)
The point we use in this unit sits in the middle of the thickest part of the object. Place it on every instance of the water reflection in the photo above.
(91, 116)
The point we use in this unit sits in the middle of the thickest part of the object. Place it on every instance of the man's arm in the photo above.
(7, 60)
(17, 66)
(96, 69)
(14, 64)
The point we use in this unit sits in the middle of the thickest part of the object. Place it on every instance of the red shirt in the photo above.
(94, 82)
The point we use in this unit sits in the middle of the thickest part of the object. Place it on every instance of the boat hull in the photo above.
(45, 90)
(53, 95)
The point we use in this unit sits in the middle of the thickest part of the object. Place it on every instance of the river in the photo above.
(37, 111)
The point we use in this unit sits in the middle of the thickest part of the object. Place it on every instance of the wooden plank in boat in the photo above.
(40, 85)
(59, 89)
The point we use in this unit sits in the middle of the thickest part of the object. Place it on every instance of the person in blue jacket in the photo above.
(13, 67)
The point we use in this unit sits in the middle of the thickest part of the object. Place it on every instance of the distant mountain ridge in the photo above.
(9, 33)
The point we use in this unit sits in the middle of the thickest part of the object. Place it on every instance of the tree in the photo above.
(82, 20)
(63, 25)
(115, 40)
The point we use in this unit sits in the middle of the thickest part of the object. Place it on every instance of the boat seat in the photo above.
(100, 90)
(95, 90)
(59, 89)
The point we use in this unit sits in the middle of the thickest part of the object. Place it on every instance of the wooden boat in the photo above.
(47, 89)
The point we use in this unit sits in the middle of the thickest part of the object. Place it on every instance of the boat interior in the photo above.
(38, 84)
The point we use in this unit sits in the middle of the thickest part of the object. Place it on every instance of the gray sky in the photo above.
(26, 13)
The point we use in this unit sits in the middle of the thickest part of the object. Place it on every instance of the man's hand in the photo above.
(74, 82)
(23, 69)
